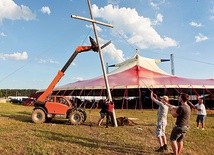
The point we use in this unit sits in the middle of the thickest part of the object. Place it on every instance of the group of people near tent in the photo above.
(182, 115)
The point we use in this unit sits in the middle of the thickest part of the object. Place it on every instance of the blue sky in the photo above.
(37, 37)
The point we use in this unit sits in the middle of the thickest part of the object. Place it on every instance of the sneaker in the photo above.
(165, 147)
(161, 149)
(202, 129)
(197, 127)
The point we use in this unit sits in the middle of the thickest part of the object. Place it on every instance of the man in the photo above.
(201, 113)
(182, 115)
(103, 112)
(161, 121)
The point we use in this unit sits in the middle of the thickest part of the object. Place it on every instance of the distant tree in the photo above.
(1, 94)
(17, 92)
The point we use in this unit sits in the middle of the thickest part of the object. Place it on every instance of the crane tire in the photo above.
(84, 115)
(75, 117)
(38, 116)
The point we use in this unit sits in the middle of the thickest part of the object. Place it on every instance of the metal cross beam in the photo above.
(94, 22)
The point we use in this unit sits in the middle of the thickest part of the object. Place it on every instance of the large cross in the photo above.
(94, 22)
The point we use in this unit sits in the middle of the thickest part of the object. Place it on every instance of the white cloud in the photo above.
(45, 61)
(212, 10)
(46, 10)
(136, 28)
(73, 64)
(194, 24)
(156, 5)
(99, 29)
(112, 51)
(3, 35)
(211, 18)
(158, 20)
(212, 13)
(77, 78)
(14, 56)
(200, 37)
(10, 10)
(114, 2)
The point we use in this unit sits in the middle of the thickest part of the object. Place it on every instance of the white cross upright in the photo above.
(94, 22)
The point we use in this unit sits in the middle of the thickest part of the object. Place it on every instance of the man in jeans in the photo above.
(182, 115)
(161, 121)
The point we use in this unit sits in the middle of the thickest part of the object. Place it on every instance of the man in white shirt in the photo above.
(201, 113)
(161, 121)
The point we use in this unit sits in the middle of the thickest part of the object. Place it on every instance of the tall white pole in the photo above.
(102, 62)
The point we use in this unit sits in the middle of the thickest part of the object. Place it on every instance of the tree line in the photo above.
(17, 92)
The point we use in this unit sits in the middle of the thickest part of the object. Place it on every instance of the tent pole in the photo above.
(172, 64)
(123, 99)
(127, 101)
(140, 99)
(136, 101)
(152, 104)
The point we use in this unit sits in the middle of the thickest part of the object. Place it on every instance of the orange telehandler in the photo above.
(48, 107)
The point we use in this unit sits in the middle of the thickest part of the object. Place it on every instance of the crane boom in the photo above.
(42, 98)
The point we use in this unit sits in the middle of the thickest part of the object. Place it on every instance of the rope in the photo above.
(4, 78)
(209, 91)
(57, 92)
(171, 118)
(212, 95)
(195, 91)
(72, 92)
(64, 93)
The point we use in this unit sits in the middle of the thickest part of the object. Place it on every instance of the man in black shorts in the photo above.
(103, 112)
(182, 115)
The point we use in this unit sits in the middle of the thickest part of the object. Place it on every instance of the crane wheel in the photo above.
(83, 113)
(75, 117)
(38, 116)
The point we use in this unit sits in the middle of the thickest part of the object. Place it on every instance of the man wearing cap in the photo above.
(161, 120)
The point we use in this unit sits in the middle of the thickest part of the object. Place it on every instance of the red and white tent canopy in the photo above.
(139, 72)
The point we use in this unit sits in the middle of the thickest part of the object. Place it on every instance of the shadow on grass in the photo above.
(93, 143)
(18, 117)
(26, 117)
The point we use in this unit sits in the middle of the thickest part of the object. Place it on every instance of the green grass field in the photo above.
(19, 136)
